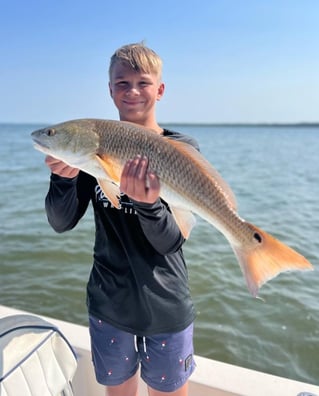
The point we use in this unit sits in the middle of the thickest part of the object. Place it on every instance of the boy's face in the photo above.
(135, 93)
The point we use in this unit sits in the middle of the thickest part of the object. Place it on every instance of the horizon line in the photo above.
(192, 123)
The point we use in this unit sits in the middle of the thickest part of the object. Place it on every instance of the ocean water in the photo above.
(274, 173)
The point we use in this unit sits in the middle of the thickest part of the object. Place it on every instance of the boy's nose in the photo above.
(133, 91)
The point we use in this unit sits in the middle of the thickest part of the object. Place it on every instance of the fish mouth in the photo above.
(37, 142)
(40, 146)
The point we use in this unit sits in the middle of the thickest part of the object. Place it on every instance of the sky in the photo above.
(224, 61)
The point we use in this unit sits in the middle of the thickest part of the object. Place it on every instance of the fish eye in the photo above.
(50, 132)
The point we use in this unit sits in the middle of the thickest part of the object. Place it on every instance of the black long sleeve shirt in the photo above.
(139, 280)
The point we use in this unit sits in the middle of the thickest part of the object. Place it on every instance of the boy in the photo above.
(139, 304)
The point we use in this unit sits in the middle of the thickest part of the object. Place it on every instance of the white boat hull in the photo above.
(211, 378)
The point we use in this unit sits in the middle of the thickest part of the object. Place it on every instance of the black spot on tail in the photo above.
(258, 237)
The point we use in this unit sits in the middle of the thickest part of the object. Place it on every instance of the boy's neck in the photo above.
(155, 127)
(150, 124)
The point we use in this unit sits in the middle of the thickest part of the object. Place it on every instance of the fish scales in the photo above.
(126, 141)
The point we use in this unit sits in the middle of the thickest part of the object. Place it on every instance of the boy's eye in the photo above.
(145, 83)
(125, 84)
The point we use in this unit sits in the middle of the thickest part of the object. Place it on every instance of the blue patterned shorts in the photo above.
(166, 359)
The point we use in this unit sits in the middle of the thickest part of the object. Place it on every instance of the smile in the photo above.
(132, 103)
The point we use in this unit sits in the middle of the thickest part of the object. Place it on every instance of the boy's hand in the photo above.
(138, 183)
(60, 168)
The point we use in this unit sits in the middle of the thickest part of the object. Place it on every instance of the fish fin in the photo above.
(111, 191)
(267, 260)
(112, 168)
(207, 168)
(184, 219)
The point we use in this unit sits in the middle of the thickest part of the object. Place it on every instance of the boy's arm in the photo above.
(66, 202)
(159, 226)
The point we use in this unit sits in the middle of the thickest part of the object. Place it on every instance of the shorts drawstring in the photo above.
(135, 343)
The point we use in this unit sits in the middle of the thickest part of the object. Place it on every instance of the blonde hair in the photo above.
(139, 57)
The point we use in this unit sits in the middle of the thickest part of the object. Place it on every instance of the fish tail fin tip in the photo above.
(267, 260)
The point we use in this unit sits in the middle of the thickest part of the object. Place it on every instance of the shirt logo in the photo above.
(125, 204)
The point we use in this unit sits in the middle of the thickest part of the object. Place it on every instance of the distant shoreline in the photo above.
(243, 124)
(204, 124)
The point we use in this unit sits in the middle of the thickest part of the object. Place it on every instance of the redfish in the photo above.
(189, 184)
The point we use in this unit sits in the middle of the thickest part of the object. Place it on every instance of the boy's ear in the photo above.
(160, 91)
(110, 90)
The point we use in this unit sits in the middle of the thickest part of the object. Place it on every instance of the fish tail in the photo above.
(269, 258)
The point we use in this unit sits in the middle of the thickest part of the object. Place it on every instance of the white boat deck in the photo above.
(211, 378)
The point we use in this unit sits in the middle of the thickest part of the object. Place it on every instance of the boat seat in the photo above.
(35, 358)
